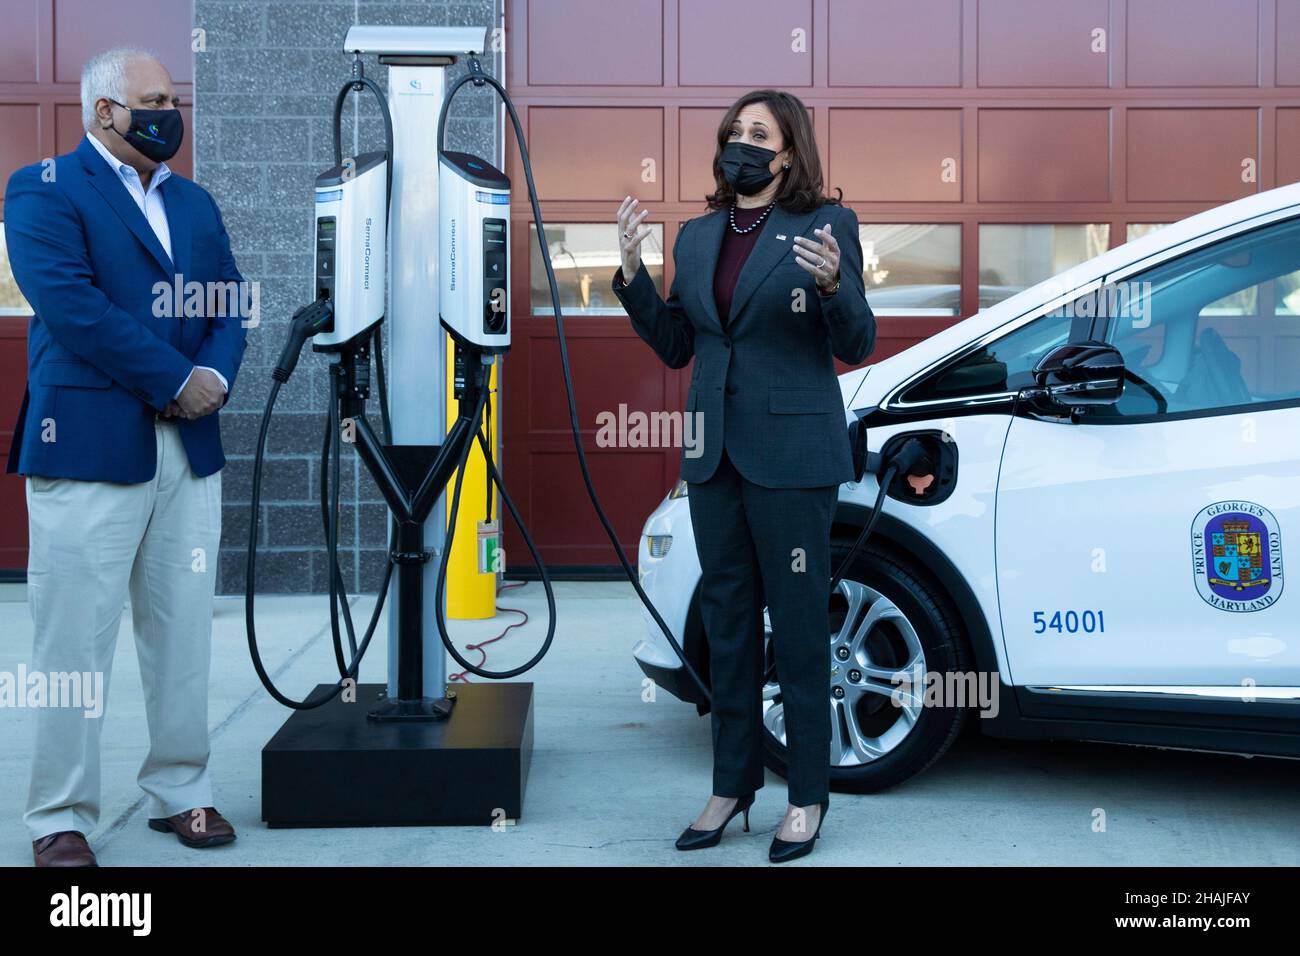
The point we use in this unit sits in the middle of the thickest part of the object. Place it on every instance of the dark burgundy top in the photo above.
(732, 255)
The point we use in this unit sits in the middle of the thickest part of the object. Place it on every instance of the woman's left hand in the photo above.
(822, 259)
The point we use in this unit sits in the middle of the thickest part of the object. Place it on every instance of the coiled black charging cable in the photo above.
(308, 321)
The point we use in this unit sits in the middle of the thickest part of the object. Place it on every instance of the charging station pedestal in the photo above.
(333, 767)
(403, 754)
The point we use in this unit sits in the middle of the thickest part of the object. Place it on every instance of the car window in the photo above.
(1215, 329)
(1002, 365)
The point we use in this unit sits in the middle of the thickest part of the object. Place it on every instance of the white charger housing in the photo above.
(474, 245)
(351, 229)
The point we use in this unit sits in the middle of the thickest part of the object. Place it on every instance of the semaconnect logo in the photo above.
(451, 256)
(366, 268)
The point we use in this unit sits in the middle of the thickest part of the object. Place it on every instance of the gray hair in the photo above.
(105, 75)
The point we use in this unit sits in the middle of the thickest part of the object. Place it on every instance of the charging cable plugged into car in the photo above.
(915, 467)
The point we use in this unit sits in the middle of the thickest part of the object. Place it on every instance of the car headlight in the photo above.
(658, 544)
(679, 489)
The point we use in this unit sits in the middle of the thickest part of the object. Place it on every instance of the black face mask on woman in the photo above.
(745, 167)
(157, 134)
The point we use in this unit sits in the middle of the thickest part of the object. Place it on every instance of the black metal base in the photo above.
(336, 767)
(425, 708)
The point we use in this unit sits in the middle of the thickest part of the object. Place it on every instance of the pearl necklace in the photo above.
(757, 222)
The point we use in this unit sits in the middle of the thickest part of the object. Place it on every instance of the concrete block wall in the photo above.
(265, 79)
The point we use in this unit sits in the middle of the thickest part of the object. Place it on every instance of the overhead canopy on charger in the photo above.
(415, 41)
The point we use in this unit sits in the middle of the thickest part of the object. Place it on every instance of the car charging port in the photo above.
(926, 463)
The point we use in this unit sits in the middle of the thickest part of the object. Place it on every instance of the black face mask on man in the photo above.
(745, 166)
(156, 134)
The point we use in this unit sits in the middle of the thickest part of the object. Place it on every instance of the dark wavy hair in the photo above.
(801, 187)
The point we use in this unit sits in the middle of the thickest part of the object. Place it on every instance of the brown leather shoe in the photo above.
(198, 828)
(65, 848)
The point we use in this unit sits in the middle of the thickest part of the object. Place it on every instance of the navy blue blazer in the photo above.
(107, 347)
(764, 384)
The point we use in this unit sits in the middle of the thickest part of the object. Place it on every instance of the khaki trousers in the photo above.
(92, 543)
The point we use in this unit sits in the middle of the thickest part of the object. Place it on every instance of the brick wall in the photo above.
(264, 91)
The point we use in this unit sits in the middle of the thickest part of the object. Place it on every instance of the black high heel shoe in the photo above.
(782, 851)
(693, 839)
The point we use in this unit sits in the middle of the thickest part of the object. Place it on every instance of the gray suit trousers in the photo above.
(762, 545)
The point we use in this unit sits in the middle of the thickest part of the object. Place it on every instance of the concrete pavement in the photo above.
(614, 779)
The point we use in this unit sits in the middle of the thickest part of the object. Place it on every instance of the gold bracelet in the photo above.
(831, 291)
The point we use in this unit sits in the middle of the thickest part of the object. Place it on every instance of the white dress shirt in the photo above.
(151, 204)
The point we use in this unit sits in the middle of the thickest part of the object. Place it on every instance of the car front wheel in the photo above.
(892, 632)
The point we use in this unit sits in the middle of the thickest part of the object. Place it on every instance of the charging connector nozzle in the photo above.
(307, 321)
(912, 459)
(476, 70)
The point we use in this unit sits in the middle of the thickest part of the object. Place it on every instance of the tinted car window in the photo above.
(1002, 365)
(1215, 329)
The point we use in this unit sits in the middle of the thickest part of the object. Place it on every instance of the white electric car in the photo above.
(1113, 459)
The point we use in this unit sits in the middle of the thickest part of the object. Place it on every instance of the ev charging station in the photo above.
(417, 59)
(415, 751)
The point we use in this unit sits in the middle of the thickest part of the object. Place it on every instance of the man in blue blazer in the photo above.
(138, 332)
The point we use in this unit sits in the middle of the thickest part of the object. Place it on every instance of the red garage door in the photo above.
(983, 144)
(43, 44)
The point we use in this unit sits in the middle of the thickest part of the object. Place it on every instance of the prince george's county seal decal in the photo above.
(1237, 556)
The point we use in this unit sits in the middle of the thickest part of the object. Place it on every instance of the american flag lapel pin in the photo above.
(781, 236)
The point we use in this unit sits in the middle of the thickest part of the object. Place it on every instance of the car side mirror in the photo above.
(1080, 375)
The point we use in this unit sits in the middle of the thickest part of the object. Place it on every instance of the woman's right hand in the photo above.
(630, 233)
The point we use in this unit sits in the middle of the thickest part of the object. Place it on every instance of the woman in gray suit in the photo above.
(767, 289)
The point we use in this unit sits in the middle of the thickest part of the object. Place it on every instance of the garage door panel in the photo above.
(771, 40)
(1044, 43)
(912, 43)
(896, 155)
(20, 42)
(1031, 155)
(20, 145)
(13, 502)
(569, 43)
(597, 152)
(1286, 43)
(1287, 147)
(697, 141)
(630, 485)
(1190, 155)
(83, 28)
(68, 128)
(617, 369)
(1192, 43)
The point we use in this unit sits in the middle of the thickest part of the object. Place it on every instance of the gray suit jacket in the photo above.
(766, 384)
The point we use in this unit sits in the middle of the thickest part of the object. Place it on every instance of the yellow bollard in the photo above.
(472, 595)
